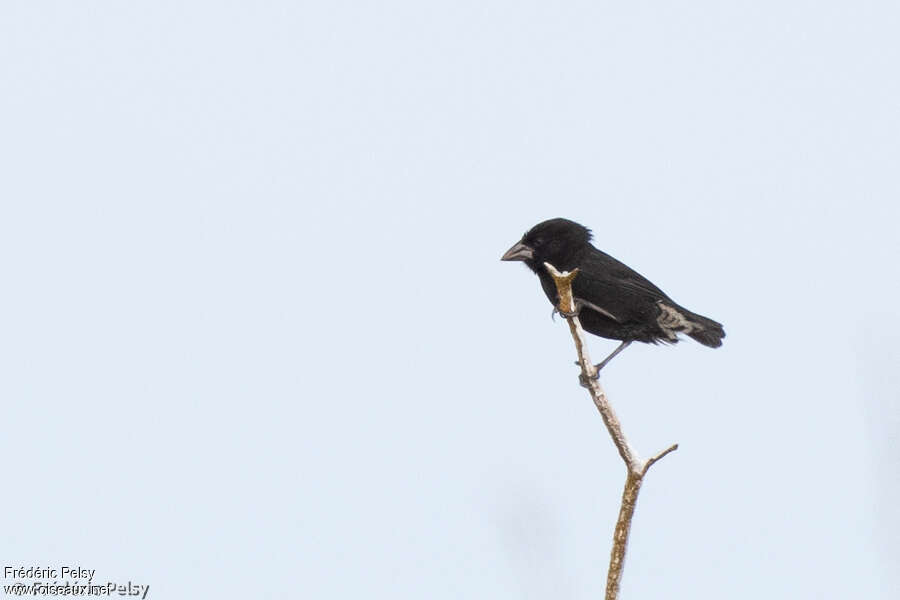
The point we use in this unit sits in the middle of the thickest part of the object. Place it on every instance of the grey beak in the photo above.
(518, 252)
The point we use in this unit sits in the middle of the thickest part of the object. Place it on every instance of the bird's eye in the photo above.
(537, 242)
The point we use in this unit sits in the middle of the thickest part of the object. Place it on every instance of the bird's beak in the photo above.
(518, 252)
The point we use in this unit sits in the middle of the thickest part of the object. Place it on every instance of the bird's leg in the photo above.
(606, 360)
(600, 365)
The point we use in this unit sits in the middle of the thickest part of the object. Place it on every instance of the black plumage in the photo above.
(613, 300)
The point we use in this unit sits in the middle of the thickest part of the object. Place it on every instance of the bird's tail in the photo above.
(704, 330)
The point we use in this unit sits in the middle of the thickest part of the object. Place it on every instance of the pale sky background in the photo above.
(256, 340)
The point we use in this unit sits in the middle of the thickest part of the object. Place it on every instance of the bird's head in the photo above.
(557, 241)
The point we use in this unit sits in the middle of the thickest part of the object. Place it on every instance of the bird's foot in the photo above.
(567, 315)
(585, 381)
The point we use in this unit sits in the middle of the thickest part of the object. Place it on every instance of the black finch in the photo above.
(612, 300)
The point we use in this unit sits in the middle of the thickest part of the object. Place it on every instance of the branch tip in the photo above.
(563, 283)
(657, 457)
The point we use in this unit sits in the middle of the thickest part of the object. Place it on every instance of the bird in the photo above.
(612, 300)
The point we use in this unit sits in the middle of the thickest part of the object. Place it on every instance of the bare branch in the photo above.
(633, 483)
(637, 468)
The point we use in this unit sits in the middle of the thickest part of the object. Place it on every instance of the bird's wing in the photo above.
(612, 288)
